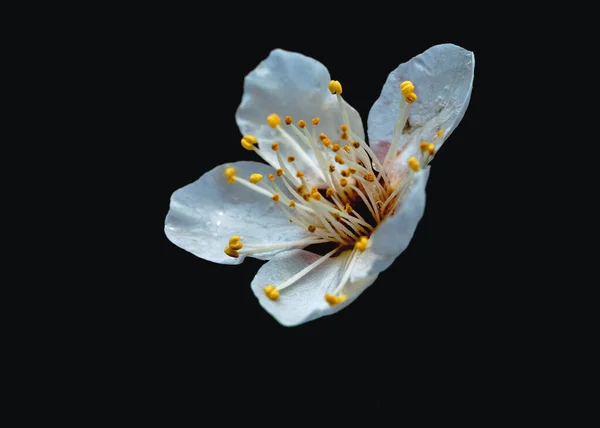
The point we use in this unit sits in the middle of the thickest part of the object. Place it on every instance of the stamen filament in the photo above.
(306, 270)
(398, 128)
(347, 271)
(253, 186)
(297, 148)
(264, 248)
(365, 200)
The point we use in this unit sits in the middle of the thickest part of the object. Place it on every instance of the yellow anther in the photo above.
(291, 221)
(344, 128)
(314, 189)
(431, 149)
(440, 133)
(322, 136)
(311, 228)
(279, 172)
(346, 149)
(291, 158)
(301, 189)
(273, 120)
(288, 120)
(411, 98)
(271, 292)
(348, 208)
(292, 204)
(231, 252)
(343, 182)
(255, 178)
(316, 196)
(339, 159)
(344, 136)
(334, 300)
(407, 87)
(345, 173)
(335, 87)
(315, 121)
(306, 196)
(301, 124)
(331, 167)
(352, 170)
(370, 177)
(230, 174)
(329, 192)
(326, 142)
(355, 144)
(361, 243)
(236, 246)
(275, 146)
(414, 164)
(234, 239)
(271, 177)
(248, 142)
(424, 146)
(335, 215)
(275, 197)
(299, 174)
(336, 147)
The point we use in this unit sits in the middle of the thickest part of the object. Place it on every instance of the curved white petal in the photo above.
(204, 214)
(304, 300)
(289, 83)
(393, 235)
(443, 78)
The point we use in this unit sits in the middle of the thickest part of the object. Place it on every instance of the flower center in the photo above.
(357, 194)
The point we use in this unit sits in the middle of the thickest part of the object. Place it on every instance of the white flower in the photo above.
(327, 211)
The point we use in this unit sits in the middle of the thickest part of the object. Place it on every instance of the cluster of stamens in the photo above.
(356, 197)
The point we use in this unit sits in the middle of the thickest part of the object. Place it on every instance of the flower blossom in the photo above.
(328, 211)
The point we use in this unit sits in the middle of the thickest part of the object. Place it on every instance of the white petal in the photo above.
(393, 235)
(304, 300)
(289, 83)
(443, 79)
(204, 214)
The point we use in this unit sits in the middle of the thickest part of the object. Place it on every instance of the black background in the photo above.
(435, 313)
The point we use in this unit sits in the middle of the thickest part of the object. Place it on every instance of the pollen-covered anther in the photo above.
(316, 196)
(255, 178)
(271, 177)
(288, 120)
(291, 158)
(301, 190)
(231, 252)
(299, 174)
(414, 164)
(346, 149)
(301, 124)
(345, 173)
(273, 120)
(336, 147)
(344, 136)
(279, 172)
(292, 204)
(352, 170)
(339, 159)
(275, 146)
(334, 300)
(275, 197)
(271, 292)
(335, 87)
(361, 244)
(230, 174)
(326, 142)
(322, 136)
(335, 215)
(411, 98)
(331, 167)
(248, 142)
(355, 144)
(424, 146)
(431, 149)
(311, 228)
(407, 87)
(315, 121)
(370, 177)
(329, 192)
(348, 208)
(439, 133)
(343, 182)
(344, 128)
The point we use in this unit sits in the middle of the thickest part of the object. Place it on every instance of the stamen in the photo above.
(414, 164)
(334, 300)
(255, 178)
(271, 292)
(402, 117)
(316, 121)
(306, 270)
(288, 120)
